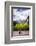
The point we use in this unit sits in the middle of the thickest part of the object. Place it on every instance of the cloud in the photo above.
(20, 15)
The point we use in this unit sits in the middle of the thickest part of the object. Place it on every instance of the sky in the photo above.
(20, 14)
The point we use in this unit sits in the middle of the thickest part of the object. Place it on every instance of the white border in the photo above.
(30, 21)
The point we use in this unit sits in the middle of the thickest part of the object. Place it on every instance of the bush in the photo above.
(21, 26)
(17, 26)
(26, 26)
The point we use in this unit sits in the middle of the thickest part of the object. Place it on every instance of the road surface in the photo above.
(22, 33)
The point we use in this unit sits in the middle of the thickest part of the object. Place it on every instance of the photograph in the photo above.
(20, 21)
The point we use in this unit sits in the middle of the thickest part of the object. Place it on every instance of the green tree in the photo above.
(21, 26)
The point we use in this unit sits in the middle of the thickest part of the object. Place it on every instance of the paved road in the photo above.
(16, 33)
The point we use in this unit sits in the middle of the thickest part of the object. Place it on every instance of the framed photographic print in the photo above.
(19, 22)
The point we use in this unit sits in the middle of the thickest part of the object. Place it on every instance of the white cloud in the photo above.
(21, 15)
